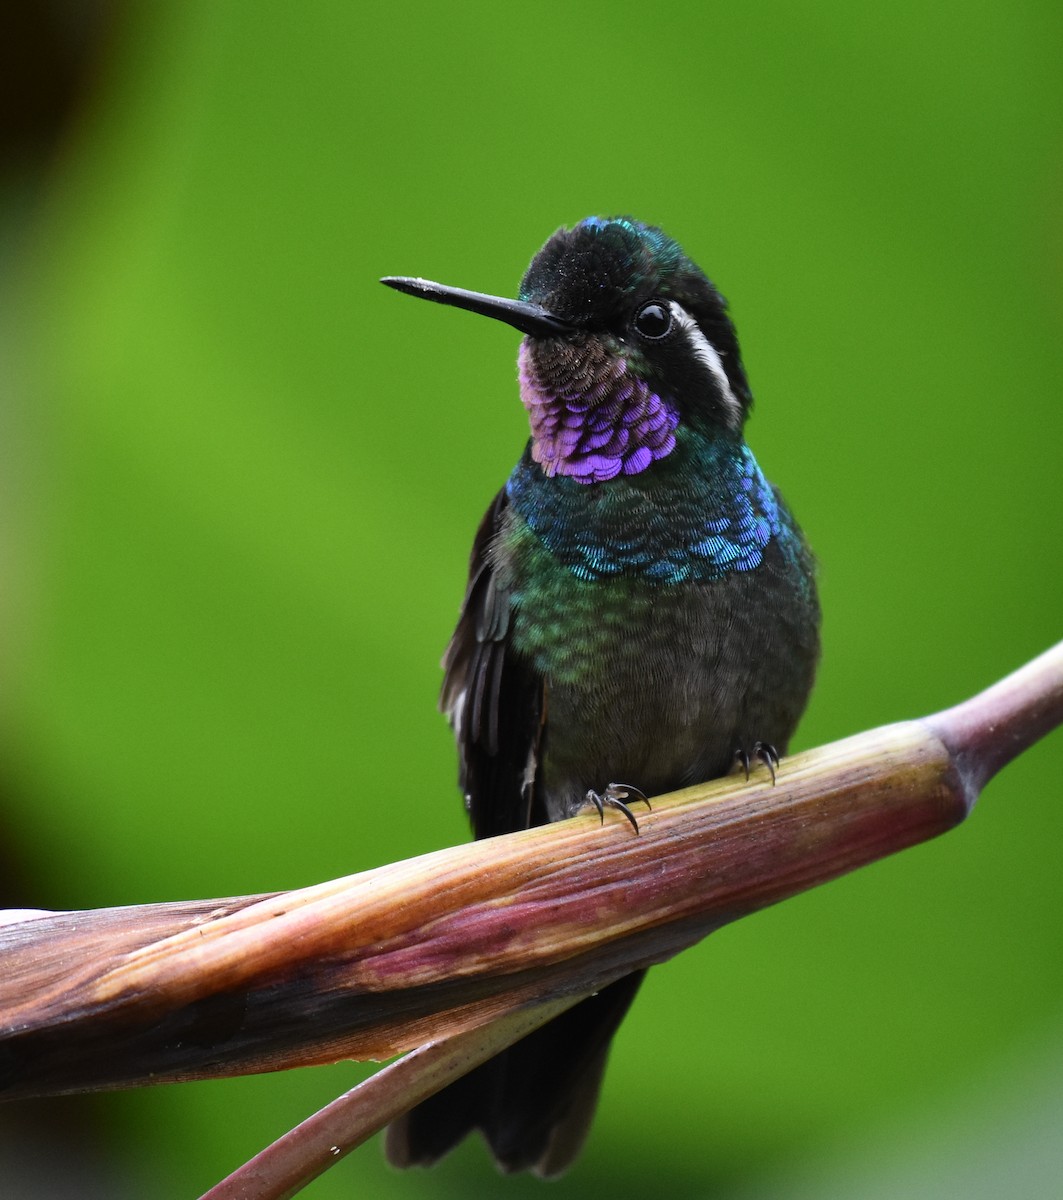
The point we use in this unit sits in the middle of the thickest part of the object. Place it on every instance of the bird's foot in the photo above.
(613, 797)
(765, 752)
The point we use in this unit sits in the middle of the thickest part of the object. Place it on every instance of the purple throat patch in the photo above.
(590, 418)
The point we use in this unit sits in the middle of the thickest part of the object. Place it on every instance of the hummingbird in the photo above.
(640, 615)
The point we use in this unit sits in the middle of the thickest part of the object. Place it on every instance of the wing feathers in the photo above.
(492, 697)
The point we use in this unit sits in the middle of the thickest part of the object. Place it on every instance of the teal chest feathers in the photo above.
(630, 562)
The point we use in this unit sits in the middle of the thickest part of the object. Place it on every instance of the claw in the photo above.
(769, 756)
(765, 752)
(613, 797)
(742, 758)
(621, 791)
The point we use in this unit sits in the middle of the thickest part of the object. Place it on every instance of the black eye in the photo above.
(653, 320)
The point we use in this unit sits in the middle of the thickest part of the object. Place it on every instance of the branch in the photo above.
(291, 1162)
(426, 949)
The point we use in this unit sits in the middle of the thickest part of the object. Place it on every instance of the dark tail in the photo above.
(533, 1102)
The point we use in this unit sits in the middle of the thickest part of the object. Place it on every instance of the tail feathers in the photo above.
(533, 1102)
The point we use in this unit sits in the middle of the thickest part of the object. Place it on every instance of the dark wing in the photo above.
(533, 1102)
(492, 697)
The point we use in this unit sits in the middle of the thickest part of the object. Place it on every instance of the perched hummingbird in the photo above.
(641, 613)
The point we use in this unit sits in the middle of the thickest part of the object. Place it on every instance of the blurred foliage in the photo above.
(240, 481)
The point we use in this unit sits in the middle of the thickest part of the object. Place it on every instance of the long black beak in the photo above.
(528, 318)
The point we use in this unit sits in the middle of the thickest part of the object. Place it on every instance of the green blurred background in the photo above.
(239, 481)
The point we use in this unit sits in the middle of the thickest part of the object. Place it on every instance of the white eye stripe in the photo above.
(707, 354)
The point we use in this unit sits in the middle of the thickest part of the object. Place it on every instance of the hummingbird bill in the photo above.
(641, 615)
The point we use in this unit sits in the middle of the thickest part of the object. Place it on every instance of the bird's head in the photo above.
(625, 340)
